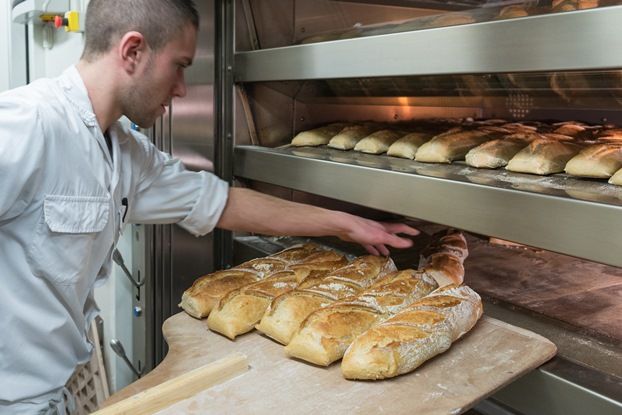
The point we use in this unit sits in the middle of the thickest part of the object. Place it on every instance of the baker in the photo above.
(72, 176)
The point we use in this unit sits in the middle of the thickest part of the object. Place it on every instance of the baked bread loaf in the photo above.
(318, 136)
(497, 153)
(239, 310)
(423, 330)
(327, 332)
(407, 146)
(599, 161)
(378, 142)
(288, 311)
(206, 291)
(443, 260)
(350, 135)
(543, 156)
(446, 148)
(616, 178)
(510, 12)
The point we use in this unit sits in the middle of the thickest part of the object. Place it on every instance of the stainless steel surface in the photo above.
(561, 387)
(542, 214)
(118, 259)
(572, 344)
(119, 350)
(224, 105)
(554, 42)
(167, 255)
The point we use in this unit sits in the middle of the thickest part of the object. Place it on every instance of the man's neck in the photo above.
(101, 89)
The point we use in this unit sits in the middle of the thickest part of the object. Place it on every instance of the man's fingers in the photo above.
(401, 228)
(371, 249)
(383, 250)
(398, 242)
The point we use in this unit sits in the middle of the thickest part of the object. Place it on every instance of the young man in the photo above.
(71, 177)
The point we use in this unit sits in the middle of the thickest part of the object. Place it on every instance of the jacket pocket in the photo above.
(62, 249)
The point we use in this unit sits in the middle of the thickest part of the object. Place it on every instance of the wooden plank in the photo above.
(180, 387)
(492, 355)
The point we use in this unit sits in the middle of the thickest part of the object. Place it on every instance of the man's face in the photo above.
(160, 79)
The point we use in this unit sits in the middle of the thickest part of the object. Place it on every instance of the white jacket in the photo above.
(60, 216)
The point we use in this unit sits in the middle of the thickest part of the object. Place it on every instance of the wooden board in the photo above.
(181, 387)
(492, 355)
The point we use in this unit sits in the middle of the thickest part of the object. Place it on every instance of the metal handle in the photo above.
(117, 347)
(118, 259)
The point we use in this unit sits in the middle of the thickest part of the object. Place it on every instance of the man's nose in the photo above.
(180, 87)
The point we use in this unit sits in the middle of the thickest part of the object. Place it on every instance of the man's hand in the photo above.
(374, 236)
(251, 211)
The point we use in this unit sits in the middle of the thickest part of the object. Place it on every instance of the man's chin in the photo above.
(144, 122)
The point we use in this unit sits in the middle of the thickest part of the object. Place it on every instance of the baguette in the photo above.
(497, 153)
(378, 142)
(616, 178)
(206, 291)
(444, 259)
(543, 156)
(317, 136)
(423, 330)
(349, 136)
(446, 148)
(600, 161)
(239, 310)
(288, 311)
(327, 332)
(407, 146)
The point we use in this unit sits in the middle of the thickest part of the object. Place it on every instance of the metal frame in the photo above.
(224, 95)
(553, 42)
(552, 221)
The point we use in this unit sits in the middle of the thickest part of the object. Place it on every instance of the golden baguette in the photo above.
(317, 136)
(616, 178)
(423, 330)
(497, 153)
(379, 141)
(326, 333)
(407, 146)
(206, 291)
(288, 311)
(445, 148)
(600, 161)
(350, 135)
(239, 310)
(543, 156)
(443, 260)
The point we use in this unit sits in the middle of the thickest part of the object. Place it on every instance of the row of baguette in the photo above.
(458, 18)
(537, 148)
(381, 321)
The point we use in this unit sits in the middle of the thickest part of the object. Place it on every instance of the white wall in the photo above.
(12, 50)
(114, 297)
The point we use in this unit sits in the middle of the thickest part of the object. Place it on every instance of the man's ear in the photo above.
(132, 50)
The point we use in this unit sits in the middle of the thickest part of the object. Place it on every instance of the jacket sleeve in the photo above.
(21, 155)
(168, 193)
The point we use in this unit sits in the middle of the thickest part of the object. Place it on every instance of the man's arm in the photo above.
(251, 211)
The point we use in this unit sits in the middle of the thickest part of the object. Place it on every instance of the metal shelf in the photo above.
(561, 214)
(552, 42)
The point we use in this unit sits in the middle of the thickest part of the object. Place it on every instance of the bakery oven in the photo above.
(545, 250)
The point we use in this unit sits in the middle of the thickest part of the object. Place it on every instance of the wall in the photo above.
(114, 297)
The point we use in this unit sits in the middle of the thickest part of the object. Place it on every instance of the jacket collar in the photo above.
(74, 89)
